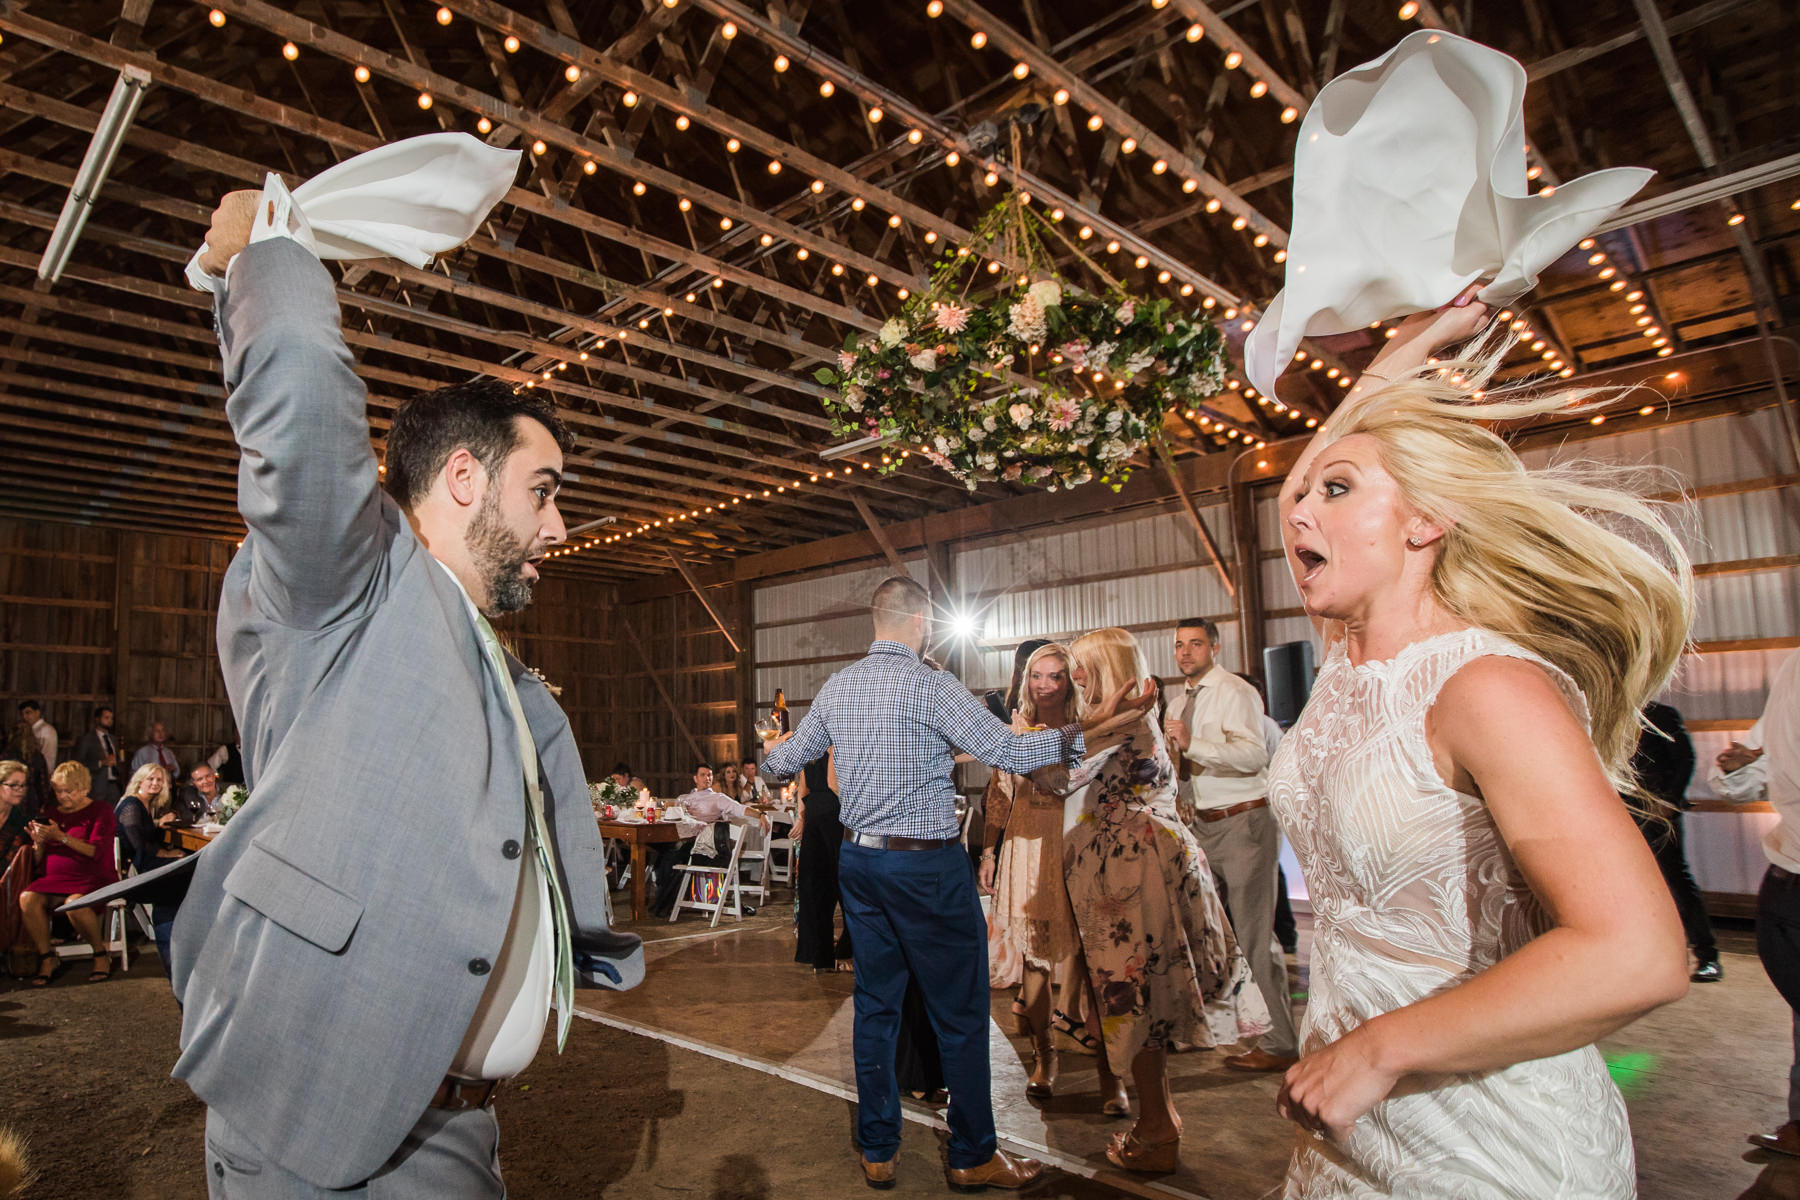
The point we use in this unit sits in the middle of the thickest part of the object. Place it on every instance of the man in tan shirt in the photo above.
(1214, 726)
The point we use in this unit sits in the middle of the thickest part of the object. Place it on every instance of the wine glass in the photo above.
(768, 728)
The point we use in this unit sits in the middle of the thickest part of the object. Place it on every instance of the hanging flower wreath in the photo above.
(1039, 382)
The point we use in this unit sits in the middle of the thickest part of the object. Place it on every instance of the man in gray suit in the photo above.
(376, 938)
(98, 751)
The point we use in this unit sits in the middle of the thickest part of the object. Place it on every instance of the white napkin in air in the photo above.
(408, 200)
(1409, 185)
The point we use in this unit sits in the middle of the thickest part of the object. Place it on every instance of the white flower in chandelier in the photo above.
(989, 423)
(925, 360)
(1099, 355)
(1114, 419)
(987, 460)
(951, 318)
(893, 333)
(1139, 361)
(977, 435)
(1047, 292)
(1026, 320)
(853, 398)
(1021, 415)
(1125, 312)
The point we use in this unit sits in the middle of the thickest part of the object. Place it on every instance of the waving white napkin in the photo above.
(1409, 184)
(408, 200)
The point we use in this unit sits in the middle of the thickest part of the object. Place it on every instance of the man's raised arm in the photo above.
(307, 484)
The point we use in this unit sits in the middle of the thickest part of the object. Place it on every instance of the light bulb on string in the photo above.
(362, 74)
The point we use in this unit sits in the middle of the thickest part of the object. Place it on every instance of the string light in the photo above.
(424, 99)
(728, 30)
(684, 204)
(572, 73)
(484, 126)
(781, 63)
(638, 188)
(826, 87)
(362, 74)
(935, 8)
(1094, 123)
(218, 22)
(1061, 97)
(538, 147)
(1258, 90)
(511, 43)
(1195, 32)
(978, 39)
(589, 167)
(681, 122)
(290, 51)
(1233, 61)
(1021, 70)
(875, 115)
(629, 99)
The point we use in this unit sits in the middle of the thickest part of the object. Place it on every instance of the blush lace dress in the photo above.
(1413, 892)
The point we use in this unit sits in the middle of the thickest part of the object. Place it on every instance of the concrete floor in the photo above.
(1698, 1076)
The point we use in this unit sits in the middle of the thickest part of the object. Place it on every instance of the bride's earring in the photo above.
(1415, 543)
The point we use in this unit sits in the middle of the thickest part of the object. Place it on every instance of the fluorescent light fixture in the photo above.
(109, 135)
(845, 449)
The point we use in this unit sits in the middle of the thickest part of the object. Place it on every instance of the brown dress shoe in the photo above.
(1000, 1171)
(878, 1175)
(1259, 1059)
(1785, 1140)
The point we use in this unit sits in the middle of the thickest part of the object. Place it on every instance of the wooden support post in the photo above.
(674, 712)
(1242, 506)
(1206, 537)
(700, 594)
(746, 671)
(124, 544)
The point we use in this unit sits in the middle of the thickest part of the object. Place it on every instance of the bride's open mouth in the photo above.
(1311, 563)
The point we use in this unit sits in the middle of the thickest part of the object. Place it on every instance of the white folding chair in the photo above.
(782, 870)
(756, 862)
(116, 925)
(730, 893)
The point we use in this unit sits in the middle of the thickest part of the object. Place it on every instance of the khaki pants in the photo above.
(1242, 851)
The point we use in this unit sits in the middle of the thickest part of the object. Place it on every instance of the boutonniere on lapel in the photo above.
(552, 688)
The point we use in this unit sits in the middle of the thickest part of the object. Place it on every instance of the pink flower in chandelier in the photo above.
(1063, 415)
(951, 318)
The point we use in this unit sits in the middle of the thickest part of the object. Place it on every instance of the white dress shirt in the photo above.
(45, 733)
(509, 1021)
(1226, 747)
(1776, 775)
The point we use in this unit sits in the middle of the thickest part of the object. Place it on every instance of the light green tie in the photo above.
(534, 828)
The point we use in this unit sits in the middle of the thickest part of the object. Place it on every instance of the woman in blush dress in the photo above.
(1484, 907)
(1030, 918)
(1162, 962)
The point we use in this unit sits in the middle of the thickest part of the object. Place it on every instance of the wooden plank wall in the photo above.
(91, 615)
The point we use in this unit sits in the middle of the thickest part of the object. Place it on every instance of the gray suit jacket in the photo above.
(333, 943)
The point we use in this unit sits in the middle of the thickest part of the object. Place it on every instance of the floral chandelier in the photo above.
(1040, 381)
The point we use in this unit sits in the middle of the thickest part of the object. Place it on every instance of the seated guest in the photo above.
(73, 840)
(142, 814)
(710, 849)
(752, 788)
(157, 750)
(729, 780)
(16, 861)
(621, 774)
(198, 795)
(146, 809)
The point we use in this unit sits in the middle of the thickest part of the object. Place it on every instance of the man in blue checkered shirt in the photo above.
(908, 889)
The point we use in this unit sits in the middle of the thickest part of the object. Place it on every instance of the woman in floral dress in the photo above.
(1162, 960)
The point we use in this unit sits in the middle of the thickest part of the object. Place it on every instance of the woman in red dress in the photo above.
(74, 841)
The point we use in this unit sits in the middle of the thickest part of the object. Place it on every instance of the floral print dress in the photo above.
(1160, 951)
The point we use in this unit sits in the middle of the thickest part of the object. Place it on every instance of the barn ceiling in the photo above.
(715, 195)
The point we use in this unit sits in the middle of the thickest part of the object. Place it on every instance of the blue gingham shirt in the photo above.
(897, 725)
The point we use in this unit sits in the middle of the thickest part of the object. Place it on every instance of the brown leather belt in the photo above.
(889, 841)
(1219, 814)
(460, 1094)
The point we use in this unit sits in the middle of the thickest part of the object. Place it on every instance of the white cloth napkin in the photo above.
(408, 200)
(1409, 185)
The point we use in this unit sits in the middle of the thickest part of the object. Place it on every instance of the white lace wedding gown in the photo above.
(1412, 893)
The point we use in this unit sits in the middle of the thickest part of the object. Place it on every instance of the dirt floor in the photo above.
(616, 1115)
(624, 1115)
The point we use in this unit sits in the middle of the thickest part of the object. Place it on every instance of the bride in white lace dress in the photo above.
(1484, 906)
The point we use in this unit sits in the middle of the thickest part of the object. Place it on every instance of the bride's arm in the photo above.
(1614, 952)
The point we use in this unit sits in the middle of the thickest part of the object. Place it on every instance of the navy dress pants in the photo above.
(915, 914)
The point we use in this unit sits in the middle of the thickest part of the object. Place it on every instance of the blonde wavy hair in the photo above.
(1112, 658)
(164, 800)
(1570, 561)
(1028, 705)
(71, 775)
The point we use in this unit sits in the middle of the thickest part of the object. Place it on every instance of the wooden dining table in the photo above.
(187, 837)
(639, 834)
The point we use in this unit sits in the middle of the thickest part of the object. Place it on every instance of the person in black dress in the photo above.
(815, 875)
(1664, 763)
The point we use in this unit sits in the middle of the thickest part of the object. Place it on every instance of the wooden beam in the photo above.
(674, 712)
(1193, 514)
(700, 594)
(881, 538)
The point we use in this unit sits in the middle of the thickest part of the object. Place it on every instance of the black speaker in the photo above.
(1288, 670)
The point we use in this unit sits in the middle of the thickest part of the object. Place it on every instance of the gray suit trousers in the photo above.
(447, 1154)
(1242, 851)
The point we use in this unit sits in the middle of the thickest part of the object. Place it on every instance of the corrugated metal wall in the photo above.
(1148, 571)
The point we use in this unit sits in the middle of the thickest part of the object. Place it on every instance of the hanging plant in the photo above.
(1039, 382)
